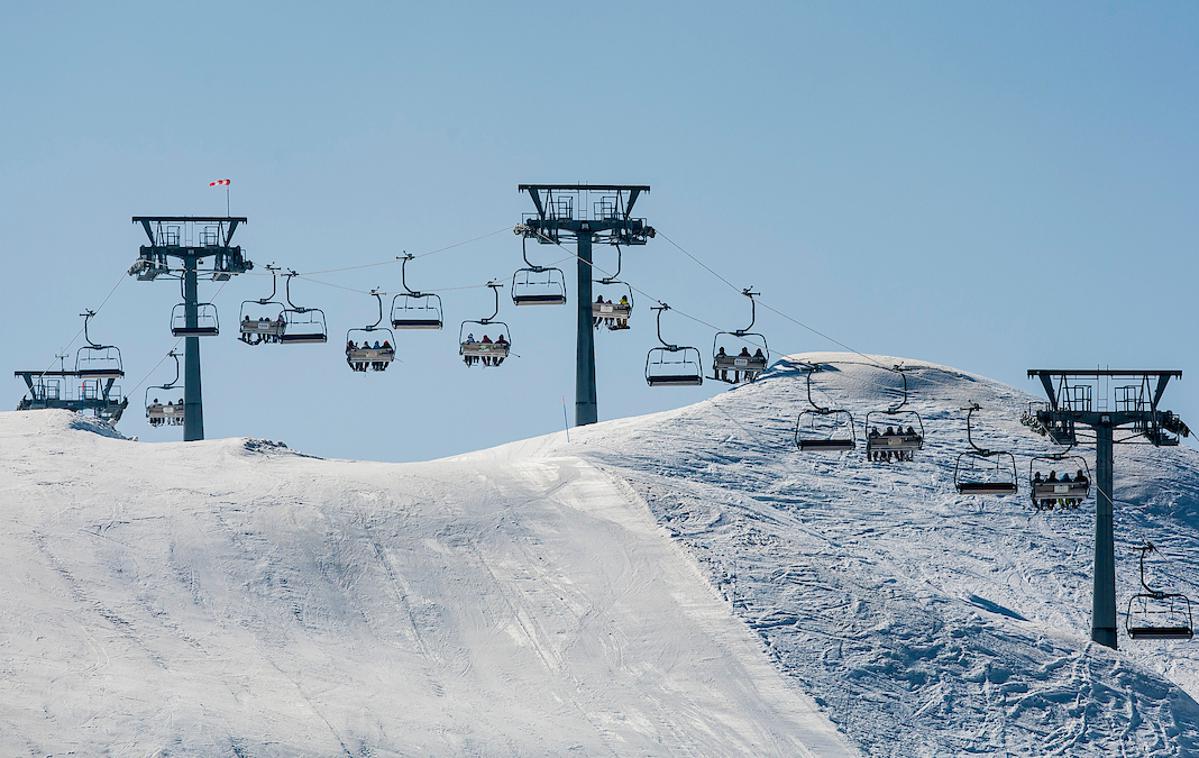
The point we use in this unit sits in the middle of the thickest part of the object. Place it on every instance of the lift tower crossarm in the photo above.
(1158, 426)
(613, 225)
(147, 223)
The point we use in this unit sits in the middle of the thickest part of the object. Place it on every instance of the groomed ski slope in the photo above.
(233, 598)
(926, 624)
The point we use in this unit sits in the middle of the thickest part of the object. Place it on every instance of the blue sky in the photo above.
(993, 187)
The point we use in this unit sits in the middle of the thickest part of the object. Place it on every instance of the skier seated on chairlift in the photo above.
(744, 355)
(721, 373)
(596, 319)
(244, 337)
(759, 360)
(486, 358)
(1042, 503)
(623, 321)
(387, 347)
(1065, 501)
(500, 341)
(375, 365)
(467, 357)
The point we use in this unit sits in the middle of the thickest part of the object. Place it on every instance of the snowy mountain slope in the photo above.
(233, 598)
(925, 623)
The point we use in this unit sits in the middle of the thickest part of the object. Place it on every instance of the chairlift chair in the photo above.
(537, 285)
(169, 413)
(492, 353)
(614, 311)
(261, 321)
(368, 357)
(207, 324)
(96, 361)
(820, 429)
(672, 365)
(412, 309)
(301, 325)
(1156, 615)
(1055, 479)
(980, 471)
(990, 472)
(902, 431)
(733, 356)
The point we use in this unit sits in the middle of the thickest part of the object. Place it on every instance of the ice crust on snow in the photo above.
(684, 583)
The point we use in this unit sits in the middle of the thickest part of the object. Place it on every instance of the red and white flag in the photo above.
(220, 183)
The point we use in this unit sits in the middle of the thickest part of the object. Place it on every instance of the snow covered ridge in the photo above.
(229, 597)
(922, 622)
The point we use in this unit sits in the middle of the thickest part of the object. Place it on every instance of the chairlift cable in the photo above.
(425, 254)
(766, 305)
(638, 290)
(732, 286)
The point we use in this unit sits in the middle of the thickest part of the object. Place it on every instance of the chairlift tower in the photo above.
(1135, 417)
(185, 248)
(98, 395)
(566, 212)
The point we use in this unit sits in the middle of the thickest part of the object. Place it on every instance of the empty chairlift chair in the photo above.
(371, 348)
(485, 350)
(261, 321)
(672, 365)
(537, 285)
(894, 434)
(96, 361)
(170, 412)
(206, 324)
(1058, 480)
(1157, 615)
(301, 325)
(980, 471)
(820, 429)
(412, 309)
(732, 360)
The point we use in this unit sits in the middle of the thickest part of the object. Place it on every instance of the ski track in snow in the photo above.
(924, 623)
(232, 598)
